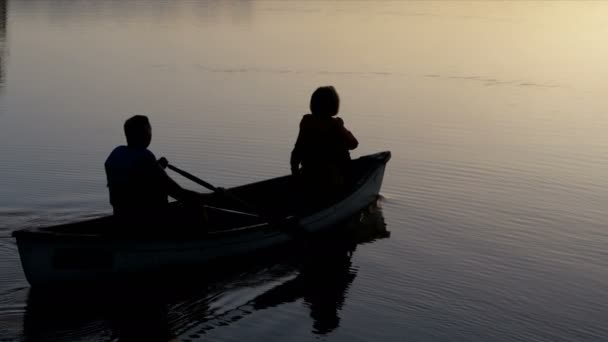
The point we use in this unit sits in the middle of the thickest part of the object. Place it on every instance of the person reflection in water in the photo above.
(321, 154)
(137, 182)
(323, 281)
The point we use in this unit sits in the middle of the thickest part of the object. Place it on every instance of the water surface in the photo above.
(495, 198)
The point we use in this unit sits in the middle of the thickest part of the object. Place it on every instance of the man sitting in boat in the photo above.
(321, 154)
(137, 182)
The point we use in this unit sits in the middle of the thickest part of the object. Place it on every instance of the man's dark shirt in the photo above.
(135, 180)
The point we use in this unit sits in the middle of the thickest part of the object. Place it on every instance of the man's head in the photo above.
(325, 101)
(138, 131)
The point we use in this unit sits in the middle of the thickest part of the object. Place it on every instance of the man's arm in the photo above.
(173, 189)
(176, 191)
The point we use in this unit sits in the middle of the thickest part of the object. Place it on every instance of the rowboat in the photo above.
(108, 246)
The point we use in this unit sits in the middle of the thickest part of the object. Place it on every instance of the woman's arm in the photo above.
(298, 149)
(349, 139)
(296, 155)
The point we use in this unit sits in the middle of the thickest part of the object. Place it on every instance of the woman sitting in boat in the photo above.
(137, 182)
(321, 154)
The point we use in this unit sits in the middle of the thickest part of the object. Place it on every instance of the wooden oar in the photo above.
(270, 218)
(165, 163)
(193, 178)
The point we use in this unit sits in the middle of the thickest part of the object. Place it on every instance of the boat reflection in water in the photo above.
(317, 270)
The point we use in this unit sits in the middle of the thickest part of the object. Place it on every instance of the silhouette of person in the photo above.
(136, 181)
(321, 152)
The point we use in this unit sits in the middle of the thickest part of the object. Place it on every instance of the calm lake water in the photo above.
(493, 224)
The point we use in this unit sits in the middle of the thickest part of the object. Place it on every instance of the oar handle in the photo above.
(211, 187)
(192, 177)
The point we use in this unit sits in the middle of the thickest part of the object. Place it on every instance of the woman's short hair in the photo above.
(325, 101)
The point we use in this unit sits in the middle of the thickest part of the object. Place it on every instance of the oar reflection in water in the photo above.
(186, 306)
